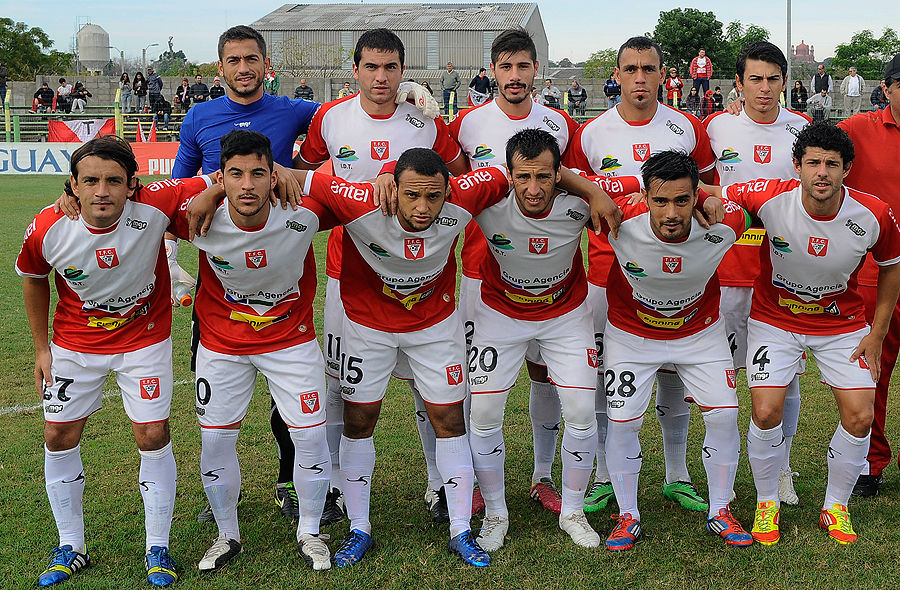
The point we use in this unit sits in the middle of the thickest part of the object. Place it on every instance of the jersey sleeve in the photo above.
(753, 194)
(346, 200)
(327, 219)
(171, 196)
(736, 217)
(616, 186)
(189, 158)
(477, 190)
(575, 156)
(31, 261)
(886, 250)
(445, 145)
(314, 150)
(702, 153)
(304, 111)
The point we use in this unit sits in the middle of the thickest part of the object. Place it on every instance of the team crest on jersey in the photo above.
(309, 402)
(381, 150)
(483, 152)
(609, 163)
(346, 154)
(255, 258)
(150, 388)
(671, 264)
(107, 257)
(592, 358)
(729, 155)
(633, 269)
(454, 374)
(818, 246)
(641, 151)
(538, 245)
(72, 273)
(762, 154)
(414, 248)
(501, 241)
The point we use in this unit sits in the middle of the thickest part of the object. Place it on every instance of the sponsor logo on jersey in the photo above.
(243, 124)
(666, 323)
(855, 228)
(346, 154)
(381, 150)
(309, 402)
(713, 238)
(150, 388)
(255, 258)
(792, 130)
(137, 224)
(729, 155)
(674, 128)
(74, 274)
(760, 376)
(295, 225)
(641, 151)
(730, 378)
(482, 152)
(448, 221)
(107, 257)
(220, 263)
(576, 215)
(592, 357)
(551, 124)
(753, 237)
(633, 269)
(798, 307)
(417, 123)
(378, 250)
(538, 245)
(53, 408)
(413, 248)
(454, 374)
(479, 379)
(257, 322)
(780, 244)
(671, 264)
(347, 390)
(501, 241)
(616, 403)
(817, 246)
(109, 323)
(609, 163)
(762, 154)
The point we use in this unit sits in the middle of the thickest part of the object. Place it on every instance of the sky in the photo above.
(575, 29)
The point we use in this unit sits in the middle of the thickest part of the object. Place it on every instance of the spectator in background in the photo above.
(182, 96)
(535, 96)
(613, 92)
(450, 83)
(707, 105)
(701, 71)
(199, 90)
(125, 94)
(820, 106)
(63, 96)
(480, 88)
(577, 98)
(551, 94)
(79, 95)
(692, 103)
(43, 99)
(4, 74)
(799, 97)
(878, 99)
(853, 88)
(163, 111)
(154, 87)
(347, 91)
(271, 81)
(718, 100)
(217, 89)
(821, 81)
(733, 94)
(424, 85)
(674, 88)
(140, 92)
(306, 92)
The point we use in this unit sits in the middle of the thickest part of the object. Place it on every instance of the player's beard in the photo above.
(516, 100)
(247, 92)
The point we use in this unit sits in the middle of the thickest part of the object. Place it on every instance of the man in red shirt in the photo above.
(701, 71)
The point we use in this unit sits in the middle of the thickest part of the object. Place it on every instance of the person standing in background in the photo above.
(272, 81)
(674, 88)
(853, 87)
(449, 84)
(701, 71)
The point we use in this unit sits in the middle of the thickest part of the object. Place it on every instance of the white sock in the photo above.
(221, 477)
(427, 436)
(625, 464)
(454, 460)
(790, 418)
(846, 459)
(312, 472)
(488, 454)
(602, 473)
(674, 415)
(64, 478)
(578, 448)
(334, 427)
(545, 411)
(358, 465)
(765, 452)
(721, 448)
(157, 479)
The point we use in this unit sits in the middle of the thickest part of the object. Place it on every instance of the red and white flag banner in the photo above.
(82, 130)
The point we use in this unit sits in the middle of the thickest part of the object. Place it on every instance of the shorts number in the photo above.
(470, 331)
(351, 372)
(204, 391)
(333, 349)
(598, 342)
(760, 358)
(61, 392)
(626, 386)
(486, 360)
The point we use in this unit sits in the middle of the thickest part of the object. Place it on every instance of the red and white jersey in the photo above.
(359, 144)
(807, 282)
(258, 284)
(482, 133)
(663, 289)
(113, 283)
(396, 280)
(609, 145)
(746, 150)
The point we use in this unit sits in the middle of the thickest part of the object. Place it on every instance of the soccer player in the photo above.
(480, 132)
(806, 296)
(533, 293)
(664, 309)
(359, 133)
(755, 144)
(113, 314)
(617, 143)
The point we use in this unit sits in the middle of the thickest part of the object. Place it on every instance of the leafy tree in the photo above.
(681, 32)
(866, 53)
(737, 37)
(600, 64)
(22, 50)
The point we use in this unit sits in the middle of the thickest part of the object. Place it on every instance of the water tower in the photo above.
(92, 45)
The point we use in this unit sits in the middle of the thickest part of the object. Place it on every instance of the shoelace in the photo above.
(842, 520)
(621, 528)
(765, 519)
(352, 542)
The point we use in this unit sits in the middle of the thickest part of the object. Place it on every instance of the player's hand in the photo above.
(68, 204)
(869, 350)
(713, 212)
(635, 198)
(42, 376)
(200, 211)
(418, 96)
(606, 210)
(287, 189)
(385, 195)
(736, 106)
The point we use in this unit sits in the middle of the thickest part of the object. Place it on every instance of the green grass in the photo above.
(409, 551)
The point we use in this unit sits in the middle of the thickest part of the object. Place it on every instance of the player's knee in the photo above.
(153, 436)
(62, 437)
(360, 419)
(767, 414)
(858, 423)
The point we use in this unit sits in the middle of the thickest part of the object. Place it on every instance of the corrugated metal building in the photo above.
(320, 38)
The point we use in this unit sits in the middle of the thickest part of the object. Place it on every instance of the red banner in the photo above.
(155, 157)
(79, 129)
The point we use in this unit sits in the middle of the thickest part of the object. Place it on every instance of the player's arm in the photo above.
(885, 300)
(37, 307)
(602, 206)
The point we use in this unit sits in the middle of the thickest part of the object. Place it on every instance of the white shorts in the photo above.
(775, 356)
(702, 360)
(597, 303)
(333, 322)
(435, 357)
(143, 375)
(225, 382)
(734, 307)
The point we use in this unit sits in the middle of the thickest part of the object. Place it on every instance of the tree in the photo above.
(866, 53)
(22, 50)
(681, 32)
(600, 64)
(737, 37)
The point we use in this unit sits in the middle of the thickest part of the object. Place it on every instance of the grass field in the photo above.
(410, 550)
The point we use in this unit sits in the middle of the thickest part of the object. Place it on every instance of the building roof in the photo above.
(397, 17)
